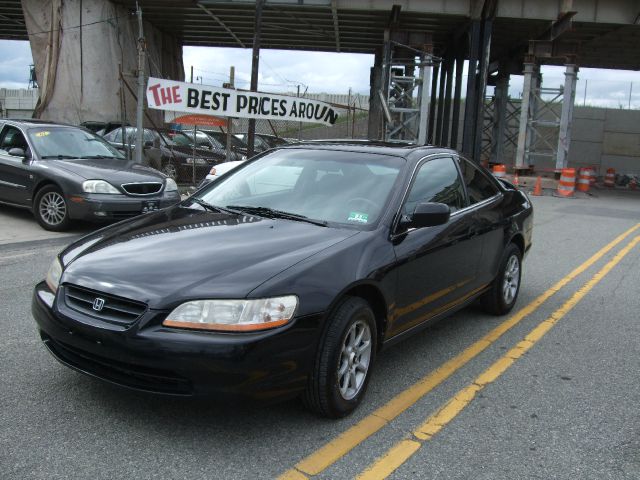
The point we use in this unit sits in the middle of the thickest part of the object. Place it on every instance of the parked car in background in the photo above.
(173, 153)
(102, 128)
(217, 142)
(263, 141)
(64, 173)
(288, 274)
(219, 170)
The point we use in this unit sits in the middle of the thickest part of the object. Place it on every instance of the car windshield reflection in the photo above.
(320, 186)
(70, 143)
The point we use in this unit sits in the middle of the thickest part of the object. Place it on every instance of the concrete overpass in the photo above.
(409, 38)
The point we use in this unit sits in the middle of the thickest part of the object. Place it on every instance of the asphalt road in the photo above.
(565, 405)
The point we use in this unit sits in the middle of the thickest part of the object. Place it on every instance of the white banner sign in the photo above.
(202, 99)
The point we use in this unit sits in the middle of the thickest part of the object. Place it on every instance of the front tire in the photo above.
(51, 210)
(502, 296)
(345, 359)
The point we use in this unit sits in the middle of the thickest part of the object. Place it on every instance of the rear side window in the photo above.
(479, 187)
(436, 181)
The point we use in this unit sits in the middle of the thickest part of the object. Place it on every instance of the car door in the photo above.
(16, 177)
(436, 266)
(485, 200)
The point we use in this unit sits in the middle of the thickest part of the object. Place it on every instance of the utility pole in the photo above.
(299, 123)
(140, 109)
(255, 62)
(232, 75)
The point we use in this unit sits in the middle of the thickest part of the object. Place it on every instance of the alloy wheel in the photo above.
(511, 279)
(355, 358)
(52, 208)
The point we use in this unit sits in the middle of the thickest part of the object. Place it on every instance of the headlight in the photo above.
(170, 185)
(198, 161)
(53, 275)
(234, 315)
(98, 186)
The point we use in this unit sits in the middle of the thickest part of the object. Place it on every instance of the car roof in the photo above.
(399, 148)
(26, 122)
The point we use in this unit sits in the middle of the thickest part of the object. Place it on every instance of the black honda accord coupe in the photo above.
(288, 275)
(64, 173)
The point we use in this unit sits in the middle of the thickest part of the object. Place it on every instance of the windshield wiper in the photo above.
(94, 157)
(60, 157)
(271, 213)
(212, 208)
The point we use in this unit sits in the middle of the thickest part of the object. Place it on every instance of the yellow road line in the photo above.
(337, 448)
(398, 454)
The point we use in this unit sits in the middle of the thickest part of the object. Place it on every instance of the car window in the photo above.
(437, 181)
(52, 142)
(11, 137)
(479, 187)
(114, 136)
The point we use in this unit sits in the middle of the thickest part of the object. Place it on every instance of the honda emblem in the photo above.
(98, 304)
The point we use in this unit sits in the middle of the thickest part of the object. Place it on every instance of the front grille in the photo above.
(125, 374)
(143, 188)
(111, 309)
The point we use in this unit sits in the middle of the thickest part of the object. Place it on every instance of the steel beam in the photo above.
(424, 98)
(447, 98)
(500, 118)
(375, 106)
(566, 118)
(455, 122)
(481, 86)
(255, 64)
(440, 111)
(521, 154)
(432, 107)
(468, 134)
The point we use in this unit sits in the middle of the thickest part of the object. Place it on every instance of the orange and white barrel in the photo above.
(500, 170)
(592, 180)
(567, 183)
(584, 179)
(610, 177)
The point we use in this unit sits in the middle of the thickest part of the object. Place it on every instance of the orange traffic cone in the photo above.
(537, 190)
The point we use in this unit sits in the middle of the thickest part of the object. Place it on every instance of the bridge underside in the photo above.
(604, 34)
(497, 38)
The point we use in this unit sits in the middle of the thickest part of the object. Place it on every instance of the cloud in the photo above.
(15, 58)
(282, 70)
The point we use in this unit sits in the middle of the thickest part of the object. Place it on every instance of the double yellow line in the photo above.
(330, 453)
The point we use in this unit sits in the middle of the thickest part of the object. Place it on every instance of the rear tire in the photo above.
(345, 359)
(51, 210)
(503, 294)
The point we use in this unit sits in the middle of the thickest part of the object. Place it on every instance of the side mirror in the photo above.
(17, 152)
(428, 215)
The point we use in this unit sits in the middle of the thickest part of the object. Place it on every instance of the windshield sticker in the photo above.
(358, 217)
(42, 134)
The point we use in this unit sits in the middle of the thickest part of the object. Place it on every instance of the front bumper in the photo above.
(96, 207)
(149, 357)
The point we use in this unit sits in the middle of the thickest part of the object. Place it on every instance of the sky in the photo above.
(282, 71)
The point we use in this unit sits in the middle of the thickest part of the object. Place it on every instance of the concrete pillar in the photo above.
(521, 153)
(375, 107)
(566, 118)
(536, 84)
(424, 99)
(500, 118)
(78, 68)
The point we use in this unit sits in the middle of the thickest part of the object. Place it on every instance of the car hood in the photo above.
(112, 170)
(183, 253)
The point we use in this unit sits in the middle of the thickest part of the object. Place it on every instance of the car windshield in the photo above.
(67, 142)
(328, 186)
